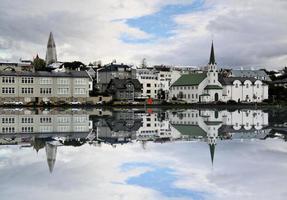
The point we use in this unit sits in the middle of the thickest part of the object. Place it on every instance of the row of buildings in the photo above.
(60, 83)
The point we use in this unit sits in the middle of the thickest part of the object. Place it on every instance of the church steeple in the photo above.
(51, 54)
(212, 56)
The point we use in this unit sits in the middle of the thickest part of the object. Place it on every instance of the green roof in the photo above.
(213, 87)
(190, 79)
(190, 130)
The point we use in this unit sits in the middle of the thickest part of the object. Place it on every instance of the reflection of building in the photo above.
(25, 121)
(51, 152)
(120, 128)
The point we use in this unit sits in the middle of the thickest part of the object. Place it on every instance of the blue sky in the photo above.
(160, 24)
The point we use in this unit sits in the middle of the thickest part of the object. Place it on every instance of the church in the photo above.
(208, 86)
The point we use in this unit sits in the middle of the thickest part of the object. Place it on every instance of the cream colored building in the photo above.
(39, 87)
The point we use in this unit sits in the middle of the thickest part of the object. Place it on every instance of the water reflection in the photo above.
(177, 130)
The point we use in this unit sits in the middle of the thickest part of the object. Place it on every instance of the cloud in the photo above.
(164, 32)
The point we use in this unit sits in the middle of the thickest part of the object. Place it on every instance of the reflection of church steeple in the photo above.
(212, 151)
(51, 152)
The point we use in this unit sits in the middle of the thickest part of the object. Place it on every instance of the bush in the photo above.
(231, 102)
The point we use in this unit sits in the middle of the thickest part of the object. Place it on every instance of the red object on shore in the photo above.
(149, 101)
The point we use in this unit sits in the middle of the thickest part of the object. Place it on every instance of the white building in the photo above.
(208, 87)
(149, 81)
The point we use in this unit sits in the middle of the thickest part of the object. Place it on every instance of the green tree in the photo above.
(39, 64)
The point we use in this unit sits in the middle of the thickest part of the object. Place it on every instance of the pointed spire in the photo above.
(51, 152)
(212, 56)
(212, 151)
(51, 42)
(51, 54)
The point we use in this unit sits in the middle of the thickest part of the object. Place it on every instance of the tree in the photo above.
(39, 64)
(143, 63)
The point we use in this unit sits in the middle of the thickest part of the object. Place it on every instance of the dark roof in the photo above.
(80, 74)
(190, 79)
(114, 67)
(230, 80)
(212, 56)
(121, 84)
(281, 81)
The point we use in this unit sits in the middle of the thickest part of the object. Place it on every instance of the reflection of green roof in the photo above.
(190, 79)
(213, 87)
(202, 95)
(190, 130)
(212, 122)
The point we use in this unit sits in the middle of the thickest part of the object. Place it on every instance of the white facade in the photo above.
(149, 81)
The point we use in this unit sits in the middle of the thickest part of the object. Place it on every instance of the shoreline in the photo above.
(142, 106)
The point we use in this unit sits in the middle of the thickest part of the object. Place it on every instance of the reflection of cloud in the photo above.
(242, 170)
(161, 180)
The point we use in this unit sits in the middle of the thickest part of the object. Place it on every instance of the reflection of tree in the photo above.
(38, 144)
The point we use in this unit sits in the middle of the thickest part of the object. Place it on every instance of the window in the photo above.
(148, 84)
(8, 129)
(8, 79)
(148, 91)
(80, 91)
(80, 119)
(27, 120)
(63, 81)
(27, 129)
(45, 90)
(63, 90)
(63, 119)
(257, 85)
(8, 120)
(45, 120)
(236, 85)
(247, 86)
(45, 80)
(45, 129)
(27, 80)
(8, 90)
(80, 81)
(27, 90)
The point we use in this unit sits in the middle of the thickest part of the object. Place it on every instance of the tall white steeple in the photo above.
(212, 67)
(51, 54)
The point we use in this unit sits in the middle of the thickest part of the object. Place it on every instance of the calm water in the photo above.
(143, 154)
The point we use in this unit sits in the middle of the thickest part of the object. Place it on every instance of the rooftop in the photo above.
(75, 74)
(190, 79)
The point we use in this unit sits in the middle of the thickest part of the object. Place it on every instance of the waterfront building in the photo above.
(51, 54)
(209, 87)
(148, 79)
(41, 86)
(112, 71)
(124, 89)
(257, 74)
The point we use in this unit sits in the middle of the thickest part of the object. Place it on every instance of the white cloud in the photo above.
(245, 32)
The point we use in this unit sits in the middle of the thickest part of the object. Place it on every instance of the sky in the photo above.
(246, 34)
(248, 169)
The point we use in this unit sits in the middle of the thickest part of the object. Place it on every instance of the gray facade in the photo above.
(113, 71)
(124, 89)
